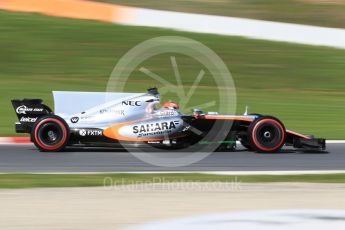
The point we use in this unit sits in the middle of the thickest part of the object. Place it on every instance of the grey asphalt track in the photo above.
(25, 158)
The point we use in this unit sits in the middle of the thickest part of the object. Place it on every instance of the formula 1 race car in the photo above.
(90, 119)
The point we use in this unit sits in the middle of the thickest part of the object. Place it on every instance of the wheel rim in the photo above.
(50, 134)
(268, 135)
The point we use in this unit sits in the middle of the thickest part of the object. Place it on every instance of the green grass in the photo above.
(302, 85)
(92, 180)
(314, 12)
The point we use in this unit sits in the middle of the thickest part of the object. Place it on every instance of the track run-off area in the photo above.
(27, 159)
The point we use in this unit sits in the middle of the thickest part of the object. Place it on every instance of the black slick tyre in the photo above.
(266, 134)
(50, 133)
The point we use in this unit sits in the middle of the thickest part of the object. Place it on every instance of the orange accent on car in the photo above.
(113, 132)
(297, 134)
(235, 118)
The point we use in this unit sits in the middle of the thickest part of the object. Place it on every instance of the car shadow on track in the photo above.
(244, 151)
(314, 152)
(95, 149)
(286, 151)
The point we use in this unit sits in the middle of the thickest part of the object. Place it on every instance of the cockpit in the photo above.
(167, 109)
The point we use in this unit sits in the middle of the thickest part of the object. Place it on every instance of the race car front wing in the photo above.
(309, 144)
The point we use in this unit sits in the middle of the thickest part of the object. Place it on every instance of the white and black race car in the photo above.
(91, 119)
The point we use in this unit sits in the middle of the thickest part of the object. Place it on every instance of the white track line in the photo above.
(231, 26)
(198, 23)
(297, 219)
(335, 142)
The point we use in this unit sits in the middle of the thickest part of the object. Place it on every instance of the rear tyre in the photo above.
(50, 133)
(266, 134)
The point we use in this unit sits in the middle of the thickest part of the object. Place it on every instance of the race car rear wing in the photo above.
(28, 111)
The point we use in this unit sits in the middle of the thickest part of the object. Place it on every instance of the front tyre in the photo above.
(50, 133)
(266, 134)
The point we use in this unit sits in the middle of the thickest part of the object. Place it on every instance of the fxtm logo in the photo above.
(23, 109)
(90, 132)
(74, 119)
(132, 103)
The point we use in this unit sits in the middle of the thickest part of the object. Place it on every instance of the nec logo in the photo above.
(132, 103)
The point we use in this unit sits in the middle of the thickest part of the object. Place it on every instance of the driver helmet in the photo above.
(170, 105)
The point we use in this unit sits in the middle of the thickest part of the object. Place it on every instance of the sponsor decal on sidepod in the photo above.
(113, 111)
(28, 119)
(90, 132)
(74, 119)
(156, 128)
(23, 109)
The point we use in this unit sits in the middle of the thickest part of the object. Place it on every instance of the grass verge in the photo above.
(302, 85)
(93, 180)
